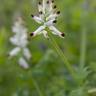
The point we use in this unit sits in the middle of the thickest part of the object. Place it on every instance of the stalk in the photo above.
(83, 48)
(63, 57)
(35, 84)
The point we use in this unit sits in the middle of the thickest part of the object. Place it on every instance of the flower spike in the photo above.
(20, 40)
(47, 18)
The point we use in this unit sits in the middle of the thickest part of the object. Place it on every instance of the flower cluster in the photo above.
(47, 18)
(20, 41)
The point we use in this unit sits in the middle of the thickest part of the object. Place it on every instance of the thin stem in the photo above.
(83, 35)
(63, 57)
(83, 48)
(33, 81)
(37, 87)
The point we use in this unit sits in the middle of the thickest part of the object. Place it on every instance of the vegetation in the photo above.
(59, 66)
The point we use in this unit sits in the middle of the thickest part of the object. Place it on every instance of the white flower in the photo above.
(20, 41)
(14, 52)
(20, 37)
(23, 63)
(47, 18)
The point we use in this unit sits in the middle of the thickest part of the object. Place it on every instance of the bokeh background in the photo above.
(47, 75)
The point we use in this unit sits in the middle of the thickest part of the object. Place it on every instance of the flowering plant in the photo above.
(47, 18)
(20, 41)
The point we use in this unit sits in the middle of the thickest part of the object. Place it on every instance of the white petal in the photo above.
(14, 52)
(48, 2)
(51, 12)
(56, 31)
(50, 23)
(41, 16)
(23, 63)
(15, 29)
(45, 34)
(18, 27)
(38, 31)
(19, 41)
(23, 43)
(27, 53)
(23, 36)
(44, 6)
(23, 29)
(37, 19)
(40, 7)
(13, 40)
(52, 17)
(50, 8)
(47, 5)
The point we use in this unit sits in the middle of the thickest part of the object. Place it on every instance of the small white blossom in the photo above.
(23, 63)
(47, 18)
(19, 40)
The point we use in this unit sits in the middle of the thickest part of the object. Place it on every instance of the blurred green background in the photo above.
(47, 75)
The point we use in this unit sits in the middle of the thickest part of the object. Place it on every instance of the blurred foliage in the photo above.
(48, 75)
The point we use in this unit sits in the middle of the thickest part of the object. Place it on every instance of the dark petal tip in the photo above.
(40, 12)
(47, 2)
(39, 3)
(62, 34)
(31, 34)
(55, 6)
(55, 21)
(32, 15)
(52, 1)
(58, 12)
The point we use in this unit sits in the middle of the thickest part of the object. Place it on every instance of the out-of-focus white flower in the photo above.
(47, 18)
(14, 52)
(20, 41)
(23, 63)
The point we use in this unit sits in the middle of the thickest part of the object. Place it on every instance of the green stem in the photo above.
(63, 57)
(37, 87)
(83, 48)
(33, 81)
(83, 35)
